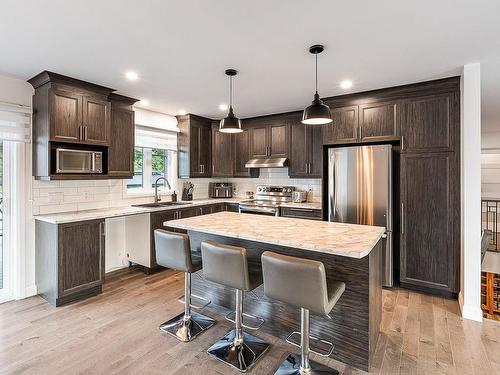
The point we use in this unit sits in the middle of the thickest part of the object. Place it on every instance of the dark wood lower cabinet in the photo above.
(69, 260)
(430, 219)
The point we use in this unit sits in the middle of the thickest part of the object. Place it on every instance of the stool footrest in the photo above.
(197, 302)
(317, 346)
(252, 322)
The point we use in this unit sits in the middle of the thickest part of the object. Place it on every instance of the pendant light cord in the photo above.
(316, 55)
(230, 91)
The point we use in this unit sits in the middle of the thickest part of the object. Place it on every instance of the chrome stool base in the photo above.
(240, 355)
(291, 366)
(318, 346)
(197, 302)
(250, 321)
(187, 329)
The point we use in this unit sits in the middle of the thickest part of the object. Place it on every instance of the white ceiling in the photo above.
(181, 48)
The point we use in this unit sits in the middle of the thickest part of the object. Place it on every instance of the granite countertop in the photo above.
(74, 216)
(349, 240)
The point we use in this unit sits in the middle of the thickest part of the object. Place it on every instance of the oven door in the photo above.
(77, 161)
(268, 211)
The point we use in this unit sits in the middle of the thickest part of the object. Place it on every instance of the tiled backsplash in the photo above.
(63, 196)
(268, 176)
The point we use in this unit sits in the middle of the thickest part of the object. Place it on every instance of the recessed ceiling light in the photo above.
(223, 107)
(144, 102)
(182, 112)
(132, 76)
(346, 84)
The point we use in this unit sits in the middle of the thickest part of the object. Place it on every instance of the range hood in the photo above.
(267, 163)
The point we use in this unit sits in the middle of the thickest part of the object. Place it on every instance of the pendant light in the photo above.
(317, 113)
(230, 123)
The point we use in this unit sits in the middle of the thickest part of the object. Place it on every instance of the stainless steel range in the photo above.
(268, 200)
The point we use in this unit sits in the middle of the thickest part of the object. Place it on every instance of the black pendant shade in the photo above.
(230, 123)
(317, 113)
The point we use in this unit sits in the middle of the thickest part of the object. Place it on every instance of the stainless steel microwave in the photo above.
(78, 161)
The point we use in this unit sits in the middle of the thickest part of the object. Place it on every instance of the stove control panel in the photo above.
(275, 190)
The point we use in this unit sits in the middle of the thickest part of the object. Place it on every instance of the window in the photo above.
(149, 165)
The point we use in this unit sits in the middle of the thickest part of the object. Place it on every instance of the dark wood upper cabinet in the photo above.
(96, 121)
(379, 121)
(194, 146)
(222, 152)
(278, 140)
(344, 126)
(430, 220)
(258, 141)
(65, 116)
(121, 145)
(306, 151)
(269, 136)
(428, 123)
(81, 256)
(241, 154)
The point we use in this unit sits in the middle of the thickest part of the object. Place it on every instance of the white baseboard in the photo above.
(470, 312)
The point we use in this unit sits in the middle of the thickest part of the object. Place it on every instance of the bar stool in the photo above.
(301, 283)
(228, 265)
(173, 251)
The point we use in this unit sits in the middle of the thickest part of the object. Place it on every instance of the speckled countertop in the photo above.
(350, 240)
(73, 216)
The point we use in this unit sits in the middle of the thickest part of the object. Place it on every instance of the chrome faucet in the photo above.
(157, 197)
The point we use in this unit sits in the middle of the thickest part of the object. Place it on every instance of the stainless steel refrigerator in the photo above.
(360, 192)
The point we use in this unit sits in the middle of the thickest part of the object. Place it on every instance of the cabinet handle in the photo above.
(102, 234)
(80, 132)
(360, 133)
(402, 218)
(307, 165)
(86, 133)
(356, 133)
(402, 142)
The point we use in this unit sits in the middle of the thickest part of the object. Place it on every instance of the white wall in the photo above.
(470, 295)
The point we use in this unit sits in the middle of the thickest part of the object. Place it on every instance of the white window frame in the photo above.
(147, 171)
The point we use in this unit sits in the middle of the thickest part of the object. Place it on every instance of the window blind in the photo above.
(15, 123)
(155, 138)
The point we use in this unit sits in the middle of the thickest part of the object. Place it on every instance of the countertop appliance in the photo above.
(220, 190)
(78, 161)
(360, 192)
(268, 200)
(299, 196)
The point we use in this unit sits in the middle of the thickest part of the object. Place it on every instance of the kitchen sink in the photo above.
(160, 204)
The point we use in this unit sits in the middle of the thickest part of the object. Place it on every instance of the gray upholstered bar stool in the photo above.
(301, 283)
(228, 265)
(173, 251)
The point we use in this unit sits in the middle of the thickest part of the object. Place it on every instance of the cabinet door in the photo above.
(157, 220)
(278, 140)
(379, 121)
(241, 154)
(344, 126)
(428, 123)
(194, 152)
(315, 152)
(232, 207)
(96, 121)
(81, 256)
(222, 153)
(299, 150)
(258, 141)
(65, 116)
(205, 151)
(429, 202)
(190, 212)
(219, 207)
(121, 145)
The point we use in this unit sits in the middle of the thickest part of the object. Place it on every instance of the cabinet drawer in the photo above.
(302, 213)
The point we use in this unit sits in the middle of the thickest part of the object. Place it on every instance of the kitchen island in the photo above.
(350, 253)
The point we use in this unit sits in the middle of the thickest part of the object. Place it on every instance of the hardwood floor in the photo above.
(117, 333)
